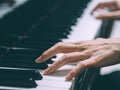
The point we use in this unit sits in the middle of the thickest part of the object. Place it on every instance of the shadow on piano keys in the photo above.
(36, 25)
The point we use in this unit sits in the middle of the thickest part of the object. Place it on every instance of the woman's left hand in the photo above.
(95, 53)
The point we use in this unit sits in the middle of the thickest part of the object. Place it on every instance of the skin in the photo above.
(93, 53)
(113, 6)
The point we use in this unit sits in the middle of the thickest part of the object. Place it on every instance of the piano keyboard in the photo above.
(23, 41)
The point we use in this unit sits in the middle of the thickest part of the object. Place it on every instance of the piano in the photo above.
(29, 27)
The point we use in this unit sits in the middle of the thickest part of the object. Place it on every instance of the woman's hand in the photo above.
(113, 6)
(94, 53)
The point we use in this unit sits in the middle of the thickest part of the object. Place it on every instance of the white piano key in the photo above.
(57, 79)
(47, 88)
(86, 26)
(116, 29)
(54, 83)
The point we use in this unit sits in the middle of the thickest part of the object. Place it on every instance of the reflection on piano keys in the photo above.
(30, 27)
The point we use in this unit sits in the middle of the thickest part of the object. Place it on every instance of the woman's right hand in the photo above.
(113, 7)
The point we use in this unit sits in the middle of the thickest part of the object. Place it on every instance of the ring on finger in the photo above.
(76, 48)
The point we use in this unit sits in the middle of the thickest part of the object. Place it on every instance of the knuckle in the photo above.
(83, 64)
(95, 63)
(66, 56)
(101, 4)
(44, 54)
(52, 66)
(59, 45)
(107, 46)
(73, 73)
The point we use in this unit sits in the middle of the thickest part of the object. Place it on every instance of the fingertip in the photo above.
(38, 60)
(44, 72)
(69, 77)
(47, 71)
(97, 17)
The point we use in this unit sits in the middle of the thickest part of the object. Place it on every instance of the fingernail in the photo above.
(68, 78)
(38, 60)
(47, 71)
(44, 72)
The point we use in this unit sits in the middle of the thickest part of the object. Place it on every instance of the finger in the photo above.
(79, 68)
(99, 60)
(102, 6)
(72, 57)
(94, 61)
(68, 58)
(109, 15)
(61, 47)
(91, 62)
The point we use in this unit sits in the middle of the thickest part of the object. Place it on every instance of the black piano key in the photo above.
(9, 36)
(51, 27)
(49, 61)
(38, 39)
(48, 35)
(20, 74)
(23, 55)
(42, 43)
(23, 51)
(6, 43)
(22, 64)
(19, 78)
(37, 75)
(3, 50)
(20, 58)
(35, 45)
(12, 83)
(21, 61)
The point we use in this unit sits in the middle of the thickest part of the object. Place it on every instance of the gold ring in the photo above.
(76, 48)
